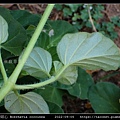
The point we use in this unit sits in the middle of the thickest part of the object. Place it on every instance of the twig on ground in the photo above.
(91, 20)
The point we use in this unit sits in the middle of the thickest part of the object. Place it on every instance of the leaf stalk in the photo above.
(41, 84)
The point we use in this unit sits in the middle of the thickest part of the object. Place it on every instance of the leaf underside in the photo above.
(3, 30)
(26, 103)
(38, 63)
(69, 76)
(89, 50)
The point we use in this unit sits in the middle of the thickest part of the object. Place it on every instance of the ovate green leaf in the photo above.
(81, 87)
(25, 103)
(104, 97)
(89, 50)
(57, 29)
(17, 34)
(3, 30)
(38, 63)
(85, 81)
(69, 76)
(51, 94)
(54, 108)
(25, 18)
(75, 90)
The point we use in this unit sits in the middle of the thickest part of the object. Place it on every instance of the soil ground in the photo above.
(77, 105)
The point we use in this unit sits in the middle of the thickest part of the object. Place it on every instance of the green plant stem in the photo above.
(41, 84)
(3, 70)
(31, 43)
(13, 78)
(16, 92)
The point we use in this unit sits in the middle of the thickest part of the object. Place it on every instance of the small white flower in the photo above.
(51, 32)
(90, 7)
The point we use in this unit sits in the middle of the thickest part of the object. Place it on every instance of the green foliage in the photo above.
(81, 87)
(64, 28)
(69, 76)
(50, 34)
(84, 49)
(39, 63)
(25, 18)
(116, 20)
(79, 17)
(51, 94)
(108, 27)
(104, 97)
(17, 34)
(54, 108)
(59, 58)
(85, 81)
(27, 103)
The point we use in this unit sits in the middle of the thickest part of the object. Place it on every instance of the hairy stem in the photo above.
(31, 43)
(9, 85)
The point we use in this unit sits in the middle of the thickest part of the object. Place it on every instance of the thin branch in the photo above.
(91, 20)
